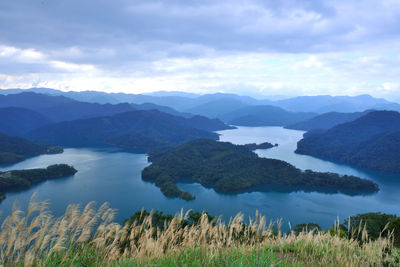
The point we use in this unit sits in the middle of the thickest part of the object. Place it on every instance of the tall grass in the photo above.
(35, 237)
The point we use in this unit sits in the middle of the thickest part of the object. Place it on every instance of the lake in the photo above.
(114, 176)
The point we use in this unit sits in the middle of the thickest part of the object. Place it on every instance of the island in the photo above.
(254, 146)
(15, 149)
(229, 168)
(20, 179)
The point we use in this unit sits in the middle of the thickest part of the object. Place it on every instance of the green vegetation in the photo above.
(372, 141)
(306, 227)
(255, 146)
(161, 220)
(19, 179)
(170, 189)
(140, 130)
(15, 149)
(376, 225)
(89, 237)
(227, 167)
(394, 228)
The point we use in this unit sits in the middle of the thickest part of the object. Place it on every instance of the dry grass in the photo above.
(30, 237)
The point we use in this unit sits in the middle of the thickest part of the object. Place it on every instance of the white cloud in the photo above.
(390, 87)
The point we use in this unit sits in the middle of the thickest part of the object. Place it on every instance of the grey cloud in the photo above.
(156, 25)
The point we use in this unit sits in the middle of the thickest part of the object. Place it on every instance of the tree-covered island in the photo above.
(228, 168)
(19, 179)
(265, 145)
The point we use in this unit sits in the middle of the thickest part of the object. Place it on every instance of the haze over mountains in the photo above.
(230, 108)
(326, 120)
(185, 101)
(141, 121)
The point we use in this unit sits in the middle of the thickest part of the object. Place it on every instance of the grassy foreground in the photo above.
(89, 237)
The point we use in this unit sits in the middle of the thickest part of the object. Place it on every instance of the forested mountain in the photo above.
(14, 149)
(264, 116)
(227, 167)
(372, 141)
(17, 121)
(326, 121)
(135, 129)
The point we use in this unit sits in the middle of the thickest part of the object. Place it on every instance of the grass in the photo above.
(190, 257)
(89, 237)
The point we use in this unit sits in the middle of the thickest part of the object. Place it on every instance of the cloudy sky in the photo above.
(276, 47)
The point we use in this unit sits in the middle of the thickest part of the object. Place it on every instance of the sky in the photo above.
(248, 47)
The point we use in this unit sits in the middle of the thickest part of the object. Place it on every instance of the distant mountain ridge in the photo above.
(326, 121)
(372, 141)
(264, 116)
(217, 108)
(61, 108)
(182, 101)
(142, 130)
(325, 103)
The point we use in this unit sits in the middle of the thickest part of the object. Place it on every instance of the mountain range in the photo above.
(141, 130)
(185, 102)
(61, 108)
(59, 120)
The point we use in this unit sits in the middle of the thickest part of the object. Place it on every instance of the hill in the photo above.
(18, 179)
(264, 116)
(141, 130)
(33, 101)
(372, 141)
(227, 167)
(17, 121)
(15, 149)
(326, 121)
(326, 103)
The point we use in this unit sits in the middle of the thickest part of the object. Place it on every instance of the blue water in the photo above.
(110, 175)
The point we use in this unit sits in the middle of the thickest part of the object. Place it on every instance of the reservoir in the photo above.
(114, 176)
